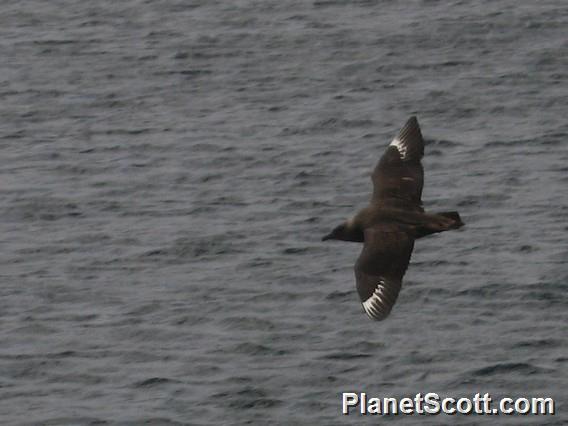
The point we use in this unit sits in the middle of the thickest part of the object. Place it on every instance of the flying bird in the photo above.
(391, 222)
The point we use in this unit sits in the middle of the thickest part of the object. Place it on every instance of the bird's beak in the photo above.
(327, 237)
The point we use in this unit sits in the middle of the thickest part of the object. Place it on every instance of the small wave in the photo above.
(538, 343)
(247, 398)
(339, 295)
(326, 126)
(248, 323)
(154, 381)
(295, 250)
(345, 356)
(256, 349)
(504, 368)
(440, 143)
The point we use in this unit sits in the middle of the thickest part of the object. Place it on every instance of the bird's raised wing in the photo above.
(380, 268)
(398, 176)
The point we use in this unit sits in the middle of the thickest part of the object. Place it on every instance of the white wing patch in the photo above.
(401, 146)
(377, 306)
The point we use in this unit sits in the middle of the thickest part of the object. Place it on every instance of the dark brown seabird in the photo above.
(391, 222)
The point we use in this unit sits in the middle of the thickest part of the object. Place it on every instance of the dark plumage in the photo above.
(391, 222)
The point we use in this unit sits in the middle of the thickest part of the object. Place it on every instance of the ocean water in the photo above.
(168, 169)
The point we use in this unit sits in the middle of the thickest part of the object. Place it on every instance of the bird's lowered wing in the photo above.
(398, 177)
(380, 268)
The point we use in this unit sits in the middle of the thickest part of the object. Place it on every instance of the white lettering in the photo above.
(544, 405)
(374, 406)
(445, 408)
(487, 404)
(432, 401)
(503, 405)
(477, 403)
(390, 406)
(464, 409)
(525, 409)
(406, 406)
(363, 403)
(350, 399)
(419, 401)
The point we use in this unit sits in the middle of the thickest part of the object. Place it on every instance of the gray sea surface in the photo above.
(168, 168)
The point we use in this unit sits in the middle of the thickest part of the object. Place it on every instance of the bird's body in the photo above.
(391, 222)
